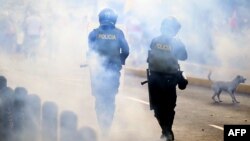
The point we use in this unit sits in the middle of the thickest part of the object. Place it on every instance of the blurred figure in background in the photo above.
(108, 50)
(33, 31)
(8, 35)
(136, 39)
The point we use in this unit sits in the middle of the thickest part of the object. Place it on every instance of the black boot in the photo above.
(162, 136)
(172, 133)
(169, 124)
(169, 136)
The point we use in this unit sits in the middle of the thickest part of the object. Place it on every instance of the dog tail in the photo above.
(209, 75)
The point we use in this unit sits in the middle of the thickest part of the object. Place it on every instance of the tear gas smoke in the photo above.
(215, 34)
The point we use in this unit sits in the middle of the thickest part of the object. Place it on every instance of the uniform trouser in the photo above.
(105, 108)
(104, 89)
(165, 116)
(163, 94)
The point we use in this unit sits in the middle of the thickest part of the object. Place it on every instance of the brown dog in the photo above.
(230, 87)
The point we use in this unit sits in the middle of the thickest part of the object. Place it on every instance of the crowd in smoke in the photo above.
(33, 28)
(214, 32)
(59, 29)
(23, 117)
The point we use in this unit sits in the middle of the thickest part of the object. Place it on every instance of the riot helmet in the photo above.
(107, 17)
(170, 26)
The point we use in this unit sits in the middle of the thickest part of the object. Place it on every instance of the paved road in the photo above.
(197, 117)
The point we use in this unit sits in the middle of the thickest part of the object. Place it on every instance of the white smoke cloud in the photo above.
(210, 43)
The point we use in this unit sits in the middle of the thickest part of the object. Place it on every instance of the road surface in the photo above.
(197, 118)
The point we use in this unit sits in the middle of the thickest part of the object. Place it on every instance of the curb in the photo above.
(242, 88)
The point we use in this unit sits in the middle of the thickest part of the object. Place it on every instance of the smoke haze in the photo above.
(216, 35)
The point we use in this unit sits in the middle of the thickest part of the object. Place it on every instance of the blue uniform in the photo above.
(109, 42)
(108, 50)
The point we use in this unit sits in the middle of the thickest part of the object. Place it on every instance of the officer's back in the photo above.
(166, 50)
(108, 41)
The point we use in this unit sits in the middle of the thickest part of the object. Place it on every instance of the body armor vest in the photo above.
(161, 58)
(107, 45)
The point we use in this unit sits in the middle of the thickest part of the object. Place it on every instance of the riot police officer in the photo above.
(164, 74)
(108, 50)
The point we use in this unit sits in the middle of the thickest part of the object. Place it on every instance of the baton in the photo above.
(144, 82)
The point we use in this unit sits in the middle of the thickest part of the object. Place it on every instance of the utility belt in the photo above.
(164, 79)
(171, 78)
(152, 74)
(163, 74)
